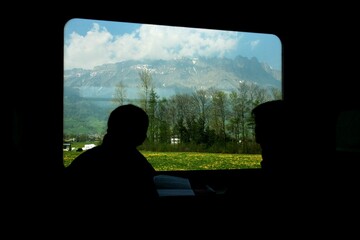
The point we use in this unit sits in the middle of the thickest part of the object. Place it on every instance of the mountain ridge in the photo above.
(177, 75)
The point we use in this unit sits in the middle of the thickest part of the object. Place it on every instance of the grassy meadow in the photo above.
(163, 161)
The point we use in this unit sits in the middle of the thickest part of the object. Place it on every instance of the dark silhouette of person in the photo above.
(270, 119)
(288, 184)
(275, 184)
(115, 175)
(283, 166)
(271, 133)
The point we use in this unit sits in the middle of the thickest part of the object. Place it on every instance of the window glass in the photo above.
(198, 87)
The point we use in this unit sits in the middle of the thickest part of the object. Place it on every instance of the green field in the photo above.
(165, 161)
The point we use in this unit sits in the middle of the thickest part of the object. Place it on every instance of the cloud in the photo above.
(254, 43)
(99, 46)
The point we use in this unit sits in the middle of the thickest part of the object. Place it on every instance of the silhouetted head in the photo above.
(271, 132)
(270, 121)
(127, 124)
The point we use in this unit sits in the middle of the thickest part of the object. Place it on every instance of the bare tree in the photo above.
(184, 115)
(235, 116)
(120, 95)
(152, 112)
(146, 85)
(257, 95)
(276, 93)
(202, 99)
(244, 109)
(219, 113)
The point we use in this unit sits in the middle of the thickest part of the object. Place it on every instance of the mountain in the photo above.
(87, 93)
(170, 76)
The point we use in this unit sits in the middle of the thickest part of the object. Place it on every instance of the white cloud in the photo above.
(253, 44)
(99, 46)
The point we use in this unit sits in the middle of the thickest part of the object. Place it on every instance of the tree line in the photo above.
(208, 120)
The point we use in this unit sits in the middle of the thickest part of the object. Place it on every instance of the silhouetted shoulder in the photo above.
(115, 174)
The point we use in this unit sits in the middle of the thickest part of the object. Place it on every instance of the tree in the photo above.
(164, 121)
(120, 95)
(152, 112)
(183, 106)
(219, 113)
(276, 93)
(244, 108)
(235, 116)
(202, 101)
(146, 86)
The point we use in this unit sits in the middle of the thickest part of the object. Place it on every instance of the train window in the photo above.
(197, 85)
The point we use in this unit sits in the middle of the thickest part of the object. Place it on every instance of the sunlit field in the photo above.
(164, 161)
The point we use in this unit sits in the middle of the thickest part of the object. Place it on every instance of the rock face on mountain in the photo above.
(172, 76)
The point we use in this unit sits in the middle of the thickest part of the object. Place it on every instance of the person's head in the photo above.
(270, 121)
(271, 131)
(128, 124)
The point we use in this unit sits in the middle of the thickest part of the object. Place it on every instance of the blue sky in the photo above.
(89, 43)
